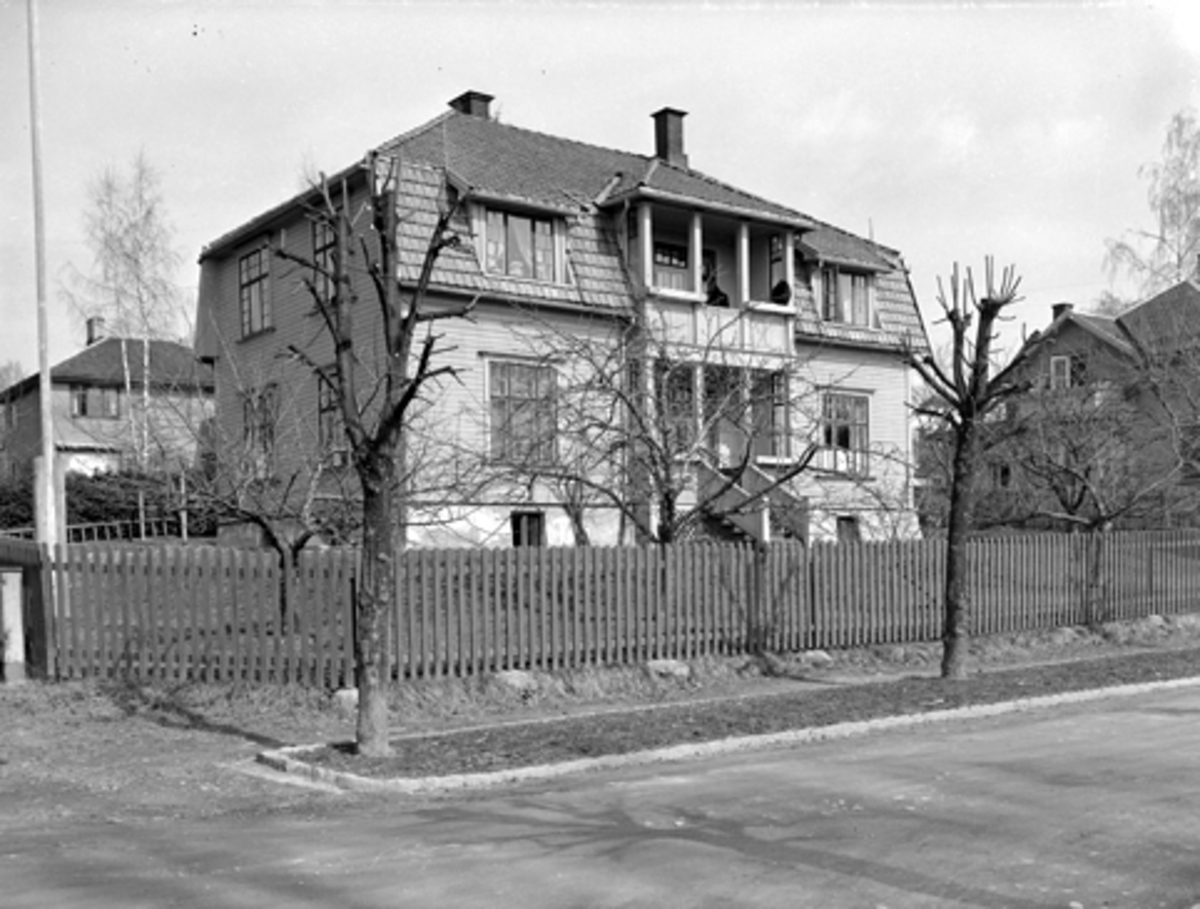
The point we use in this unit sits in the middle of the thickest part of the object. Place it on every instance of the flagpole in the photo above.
(47, 513)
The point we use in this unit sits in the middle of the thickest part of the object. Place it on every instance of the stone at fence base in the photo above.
(669, 669)
(814, 659)
(345, 700)
(517, 680)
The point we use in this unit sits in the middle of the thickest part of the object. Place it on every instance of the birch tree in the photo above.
(131, 282)
(1154, 258)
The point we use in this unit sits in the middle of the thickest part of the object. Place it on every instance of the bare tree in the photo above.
(131, 283)
(377, 405)
(665, 440)
(1167, 253)
(968, 393)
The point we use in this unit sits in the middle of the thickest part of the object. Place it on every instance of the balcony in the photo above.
(713, 283)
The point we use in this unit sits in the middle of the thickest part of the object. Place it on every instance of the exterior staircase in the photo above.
(754, 505)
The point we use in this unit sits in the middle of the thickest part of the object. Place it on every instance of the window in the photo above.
(324, 241)
(528, 528)
(1000, 475)
(849, 530)
(10, 415)
(675, 401)
(96, 403)
(1067, 372)
(671, 270)
(252, 293)
(768, 413)
(332, 435)
(846, 297)
(520, 246)
(845, 437)
(521, 408)
(259, 411)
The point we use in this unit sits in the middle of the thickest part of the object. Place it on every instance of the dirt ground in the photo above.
(117, 751)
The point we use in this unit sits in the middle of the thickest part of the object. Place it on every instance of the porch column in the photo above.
(743, 280)
(743, 264)
(789, 275)
(646, 237)
(696, 252)
(789, 261)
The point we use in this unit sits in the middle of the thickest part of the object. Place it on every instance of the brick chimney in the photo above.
(473, 104)
(95, 330)
(1059, 308)
(668, 136)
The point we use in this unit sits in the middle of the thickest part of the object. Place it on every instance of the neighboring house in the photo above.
(579, 242)
(106, 415)
(1104, 432)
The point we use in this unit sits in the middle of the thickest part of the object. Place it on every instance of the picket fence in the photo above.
(216, 614)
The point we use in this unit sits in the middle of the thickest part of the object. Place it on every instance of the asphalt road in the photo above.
(1086, 806)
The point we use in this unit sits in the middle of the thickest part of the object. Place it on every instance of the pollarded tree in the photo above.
(377, 385)
(968, 393)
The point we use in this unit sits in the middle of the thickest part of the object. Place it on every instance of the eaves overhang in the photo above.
(796, 222)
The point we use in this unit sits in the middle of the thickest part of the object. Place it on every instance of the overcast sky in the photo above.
(953, 131)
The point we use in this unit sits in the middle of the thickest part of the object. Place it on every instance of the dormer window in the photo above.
(521, 246)
(846, 296)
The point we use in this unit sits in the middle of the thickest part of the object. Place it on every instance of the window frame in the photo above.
(497, 244)
(852, 459)
(678, 404)
(773, 426)
(507, 443)
(254, 292)
(834, 308)
(1067, 371)
(331, 432)
(95, 402)
(528, 528)
(260, 413)
(324, 248)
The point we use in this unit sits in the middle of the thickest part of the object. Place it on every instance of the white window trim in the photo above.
(490, 360)
(871, 279)
(1057, 382)
(563, 276)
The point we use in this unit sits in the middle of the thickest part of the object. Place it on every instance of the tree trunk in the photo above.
(1094, 587)
(956, 636)
(376, 592)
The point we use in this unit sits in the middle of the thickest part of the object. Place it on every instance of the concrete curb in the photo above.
(290, 760)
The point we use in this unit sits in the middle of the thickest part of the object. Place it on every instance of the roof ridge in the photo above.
(567, 140)
(408, 134)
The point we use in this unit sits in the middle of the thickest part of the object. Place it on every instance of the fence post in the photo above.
(12, 624)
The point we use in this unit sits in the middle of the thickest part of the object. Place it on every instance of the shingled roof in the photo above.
(172, 366)
(506, 161)
(1167, 321)
(493, 160)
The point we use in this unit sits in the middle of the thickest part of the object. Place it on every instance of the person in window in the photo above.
(715, 296)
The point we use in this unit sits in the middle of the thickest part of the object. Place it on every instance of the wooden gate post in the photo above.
(12, 624)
